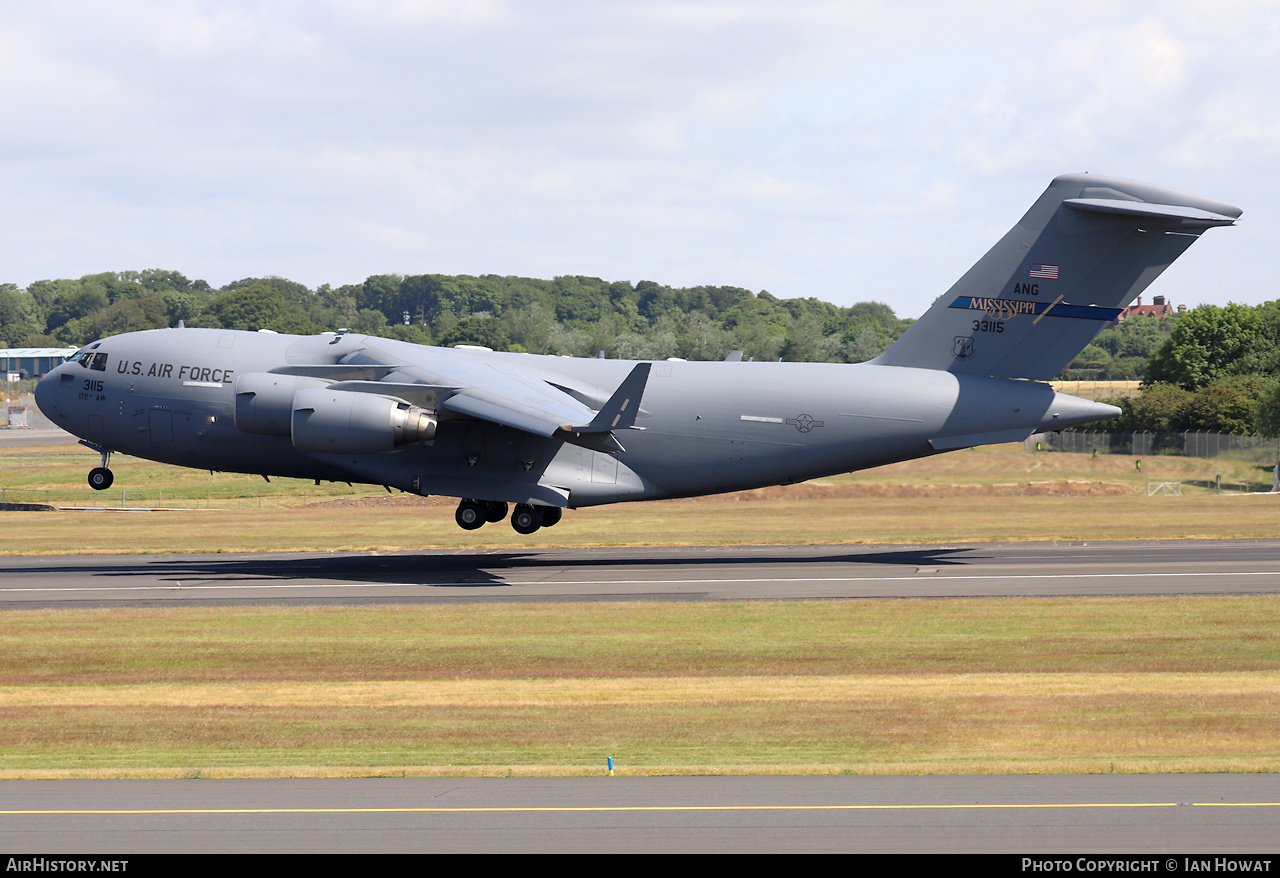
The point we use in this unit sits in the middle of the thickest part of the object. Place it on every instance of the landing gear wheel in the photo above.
(100, 478)
(470, 515)
(494, 511)
(551, 515)
(526, 519)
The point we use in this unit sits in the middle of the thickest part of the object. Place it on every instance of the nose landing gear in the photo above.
(100, 478)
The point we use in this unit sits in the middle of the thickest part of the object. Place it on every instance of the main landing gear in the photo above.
(100, 478)
(473, 514)
(526, 519)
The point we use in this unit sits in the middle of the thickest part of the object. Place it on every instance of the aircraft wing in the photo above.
(456, 382)
(534, 406)
(515, 404)
(477, 388)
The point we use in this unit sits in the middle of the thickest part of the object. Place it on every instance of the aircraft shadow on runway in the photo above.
(463, 570)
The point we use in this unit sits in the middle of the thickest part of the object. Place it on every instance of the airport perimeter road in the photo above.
(718, 573)
(21, 437)
(1092, 814)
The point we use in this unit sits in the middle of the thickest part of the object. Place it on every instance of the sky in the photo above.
(848, 151)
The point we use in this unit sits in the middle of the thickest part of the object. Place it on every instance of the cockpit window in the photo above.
(99, 363)
(84, 359)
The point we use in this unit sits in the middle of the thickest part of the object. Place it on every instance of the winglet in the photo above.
(619, 413)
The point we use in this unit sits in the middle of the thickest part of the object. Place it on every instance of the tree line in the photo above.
(1211, 368)
(570, 315)
(1218, 370)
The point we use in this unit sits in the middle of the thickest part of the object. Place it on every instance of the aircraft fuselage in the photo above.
(553, 432)
(170, 395)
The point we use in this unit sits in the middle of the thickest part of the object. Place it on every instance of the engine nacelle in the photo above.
(264, 401)
(348, 422)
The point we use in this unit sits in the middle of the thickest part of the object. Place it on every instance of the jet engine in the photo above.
(347, 422)
(264, 401)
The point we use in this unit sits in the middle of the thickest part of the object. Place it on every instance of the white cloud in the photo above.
(799, 147)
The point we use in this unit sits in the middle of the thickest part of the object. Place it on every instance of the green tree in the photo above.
(16, 320)
(1208, 343)
(290, 289)
(65, 300)
(257, 307)
(122, 315)
(1226, 406)
(1160, 408)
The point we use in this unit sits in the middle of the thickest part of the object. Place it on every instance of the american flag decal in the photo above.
(1045, 272)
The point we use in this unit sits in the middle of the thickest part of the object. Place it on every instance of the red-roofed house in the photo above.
(1158, 308)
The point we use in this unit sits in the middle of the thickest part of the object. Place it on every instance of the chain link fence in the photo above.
(1262, 450)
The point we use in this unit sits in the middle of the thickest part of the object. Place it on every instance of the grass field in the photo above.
(1086, 685)
(1099, 390)
(907, 686)
(995, 493)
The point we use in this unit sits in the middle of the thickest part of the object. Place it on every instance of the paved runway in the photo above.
(1042, 814)
(1097, 814)
(720, 573)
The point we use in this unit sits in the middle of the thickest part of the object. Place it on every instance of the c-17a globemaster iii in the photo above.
(549, 433)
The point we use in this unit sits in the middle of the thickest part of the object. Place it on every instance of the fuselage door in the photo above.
(160, 426)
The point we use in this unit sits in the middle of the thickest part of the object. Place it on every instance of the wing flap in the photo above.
(487, 405)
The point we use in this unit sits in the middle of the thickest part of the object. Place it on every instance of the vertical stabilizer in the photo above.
(1083, 252)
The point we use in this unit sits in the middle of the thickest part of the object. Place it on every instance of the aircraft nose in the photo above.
(47, 391)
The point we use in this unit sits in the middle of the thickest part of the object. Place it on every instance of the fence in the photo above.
(1263, 450)
(296, 496)
(83, 498)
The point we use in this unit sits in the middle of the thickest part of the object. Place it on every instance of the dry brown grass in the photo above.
(569, 692)
(1099, 390)
(1141, 684)
(883, 514)
(995, 493)
(1144, 684)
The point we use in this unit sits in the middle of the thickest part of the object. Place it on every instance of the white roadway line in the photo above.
(404, 809)
(508, 583)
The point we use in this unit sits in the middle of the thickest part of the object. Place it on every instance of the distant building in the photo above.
(1159, 309)
(31, 362)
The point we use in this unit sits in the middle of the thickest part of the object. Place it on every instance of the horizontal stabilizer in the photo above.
(1139, 208)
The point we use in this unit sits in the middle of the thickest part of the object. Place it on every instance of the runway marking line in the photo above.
(540, 809)
(507, 583)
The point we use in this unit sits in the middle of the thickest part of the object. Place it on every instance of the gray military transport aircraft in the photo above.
(549, 433)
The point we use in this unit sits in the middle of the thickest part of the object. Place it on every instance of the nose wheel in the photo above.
(100, 478)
